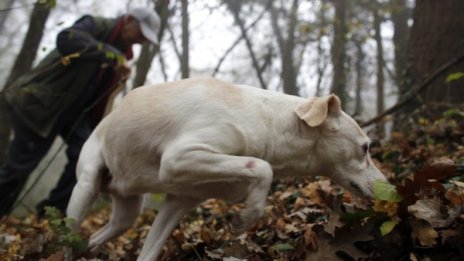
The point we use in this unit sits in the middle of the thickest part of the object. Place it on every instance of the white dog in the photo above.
(203, 138)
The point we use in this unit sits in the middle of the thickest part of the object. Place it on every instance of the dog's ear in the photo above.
(316, 109)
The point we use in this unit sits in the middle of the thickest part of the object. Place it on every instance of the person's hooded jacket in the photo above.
(39, 98)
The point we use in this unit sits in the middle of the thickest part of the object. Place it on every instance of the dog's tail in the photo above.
(90, 170)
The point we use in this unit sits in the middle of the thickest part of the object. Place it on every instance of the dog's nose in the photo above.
(360, 191)
(355, 186)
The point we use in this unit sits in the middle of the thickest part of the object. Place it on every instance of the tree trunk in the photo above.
(148, 52)
(339, 50)
(143, 64)
(400, 16)
(321, 57)
(380, 73)
(5, 127)
(286, 47)
(436, 39)
(288, 66)
(22, 64)
(359, 71)
(5, 130)
(184, 63)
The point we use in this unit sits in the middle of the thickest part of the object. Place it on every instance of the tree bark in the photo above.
(143, 64)
(288, 64)
(339, 50)
(359, 72)
(400, 16)
(184, 63)
(5, 130)
(149, 52)
(286, 46)
(321, 57)
(380, 73)
(436, 38)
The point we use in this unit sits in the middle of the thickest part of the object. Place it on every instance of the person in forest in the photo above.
(66, 95)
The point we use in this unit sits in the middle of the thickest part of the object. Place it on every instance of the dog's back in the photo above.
(235, 120)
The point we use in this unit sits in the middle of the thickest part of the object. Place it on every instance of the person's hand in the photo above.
(123, 70)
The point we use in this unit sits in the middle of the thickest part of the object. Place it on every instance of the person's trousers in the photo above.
(27, 150)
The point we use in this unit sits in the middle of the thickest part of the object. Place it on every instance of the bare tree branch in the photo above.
(163, 67)
(236, 42)
(235, 12)
(174, 43)
(411, 95)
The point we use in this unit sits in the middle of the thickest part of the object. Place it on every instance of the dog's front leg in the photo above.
(124, 212)
(198, 164)
(174, 207)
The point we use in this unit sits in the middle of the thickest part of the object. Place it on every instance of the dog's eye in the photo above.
(365, 148)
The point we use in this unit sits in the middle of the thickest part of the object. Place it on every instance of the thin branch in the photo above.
(415, 91)
(236, 42)
(16, 7)
(174, 43)
(163, 66)
(254, 60)
(267, 60)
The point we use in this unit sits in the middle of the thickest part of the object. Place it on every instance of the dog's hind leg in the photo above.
(174, 207)
(89, 177)
(124, 213)
(199, 164)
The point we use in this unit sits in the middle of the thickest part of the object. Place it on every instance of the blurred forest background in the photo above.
(397, 65)
(370, 53)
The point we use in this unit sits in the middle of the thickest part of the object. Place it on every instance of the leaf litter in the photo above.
(419, 217)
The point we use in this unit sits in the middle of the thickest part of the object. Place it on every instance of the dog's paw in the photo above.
(246, 218)
(238, 224)
(94, 248)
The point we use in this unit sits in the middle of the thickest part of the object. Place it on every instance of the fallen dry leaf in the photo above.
(423, 232)
(310, 238)
(302, 218)
(58, 256)
(427, 209)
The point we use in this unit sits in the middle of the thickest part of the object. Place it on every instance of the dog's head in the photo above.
(342, 148)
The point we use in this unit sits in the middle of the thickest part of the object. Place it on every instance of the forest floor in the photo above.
(419, 217)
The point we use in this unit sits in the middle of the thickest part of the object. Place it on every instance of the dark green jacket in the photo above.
(40, 97)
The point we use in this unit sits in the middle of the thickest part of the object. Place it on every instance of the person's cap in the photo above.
(149, 23)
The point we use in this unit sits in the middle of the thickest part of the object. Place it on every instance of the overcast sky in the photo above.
(212, 32)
